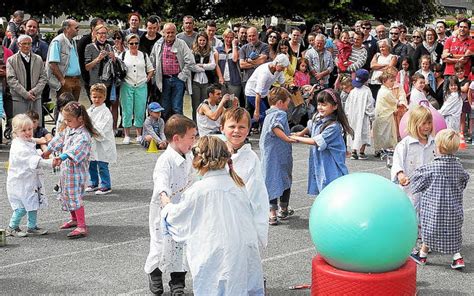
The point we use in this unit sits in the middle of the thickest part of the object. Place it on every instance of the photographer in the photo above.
(211, 109)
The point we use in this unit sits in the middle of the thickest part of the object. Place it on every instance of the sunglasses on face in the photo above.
(118, 38)
(393, 33)
(416, 36)
(272, 36)
(133, 43)
(366, 28)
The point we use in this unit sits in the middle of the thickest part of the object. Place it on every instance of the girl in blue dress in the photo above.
(327, 156)
(276, 154)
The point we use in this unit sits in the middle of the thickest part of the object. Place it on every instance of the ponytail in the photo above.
(234, 175)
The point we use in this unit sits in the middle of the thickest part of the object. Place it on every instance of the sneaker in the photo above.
(155, 282)
(362, 156)
(77, 233)
(36, 231)
(103, 191)
(138, 139)
(354, 156)
(126, 140)
(284, 215)
(273, 220)
(419, 260)
(458, 264)
(92, 188)
(15, 232)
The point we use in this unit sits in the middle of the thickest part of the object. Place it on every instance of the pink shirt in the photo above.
(301, 78)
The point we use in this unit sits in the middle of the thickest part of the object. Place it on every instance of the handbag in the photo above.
(119, 67)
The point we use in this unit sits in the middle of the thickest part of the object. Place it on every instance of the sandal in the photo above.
(68, 224)
(77, 233)
(273, 220)
(284, 215)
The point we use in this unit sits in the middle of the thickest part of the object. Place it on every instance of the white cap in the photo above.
(282, 60)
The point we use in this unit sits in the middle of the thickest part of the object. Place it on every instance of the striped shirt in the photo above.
(358, 58)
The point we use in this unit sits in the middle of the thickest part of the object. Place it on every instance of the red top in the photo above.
(458, 46)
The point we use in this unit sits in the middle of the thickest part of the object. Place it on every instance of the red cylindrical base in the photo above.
(327, 280)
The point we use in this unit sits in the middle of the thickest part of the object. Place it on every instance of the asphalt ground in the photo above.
(111, 259)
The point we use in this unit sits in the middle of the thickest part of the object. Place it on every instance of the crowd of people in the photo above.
(338, 93)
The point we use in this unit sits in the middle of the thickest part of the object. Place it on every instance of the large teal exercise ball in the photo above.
(362, 222)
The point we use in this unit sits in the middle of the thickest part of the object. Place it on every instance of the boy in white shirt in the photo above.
(103, 147)
(172, 176)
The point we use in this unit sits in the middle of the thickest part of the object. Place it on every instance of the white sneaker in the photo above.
(138, 139)
(126, 140)
(91, 188)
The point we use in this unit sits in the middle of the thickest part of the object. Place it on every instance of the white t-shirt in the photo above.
(261, 81)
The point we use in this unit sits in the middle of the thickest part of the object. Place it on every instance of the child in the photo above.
(235, 125)
(403, 76)
(463, 89)
(425, 70)
(440, 184)
(385, 129)
(417, 95)
(41, 136)
(172, 175)
(24, 186)
(277, 159)
(154, 127)
(103, 146)
(360, 111)
(216, 221)
(452, 107)
(302, 77)
(73, 144)
(415, 150)
(345, 87)
(327, 159)
(344, 49)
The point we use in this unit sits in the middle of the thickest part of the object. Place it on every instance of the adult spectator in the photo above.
(13, 27)
(398, 48)
(39, 46)
(295, 43)
(228, 69)
(285, 36)
(133, 92)
(439, 82)
(203, 73)
(272, 41)
(134, 20)
(320, 61)
(26, 78)
(262, 36)
(209, 112)
(97, 54)
(358, 26)
(81, 49)
(242, 36)
(403, 34)
(285, 48)
(62, 65)
(458, 49)
(252, 54)
(358, 55)
(119, 48)
(148, 39)
(334, 36)
(381, 32)
(188, 35)
(369, 43)
(417, 39)
(173, 61)
(379, 63)
(260, 82)
(441, 32)
(5, 54)
(211, 28)
(428, 47)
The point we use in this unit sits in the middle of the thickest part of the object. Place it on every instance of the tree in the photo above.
(410, 12)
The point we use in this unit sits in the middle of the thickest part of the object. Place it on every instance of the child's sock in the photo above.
(457, 256)
(81, 219)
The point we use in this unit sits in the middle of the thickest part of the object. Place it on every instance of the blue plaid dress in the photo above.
(441, 184)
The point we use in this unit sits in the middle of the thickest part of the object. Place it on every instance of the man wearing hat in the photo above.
(154, 127)
(259, 84)
(26, 78)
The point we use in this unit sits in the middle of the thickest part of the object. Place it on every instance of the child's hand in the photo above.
(293, 139)
(403, 179)
(46, 154)
(57, 162)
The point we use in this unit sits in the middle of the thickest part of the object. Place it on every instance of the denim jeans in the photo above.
(99, 169)
(263, 108)
(19, 213)
(172, 96)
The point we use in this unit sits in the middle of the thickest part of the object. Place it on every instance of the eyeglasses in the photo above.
(272, 36)
(393, 33)
(366, 28)
(118, 38)
(414, 36)
(133, 43)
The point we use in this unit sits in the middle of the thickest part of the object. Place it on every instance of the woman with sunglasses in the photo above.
(272, 40)
(133, 91)
(119, 48)
(417, 39)
(429, 47)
